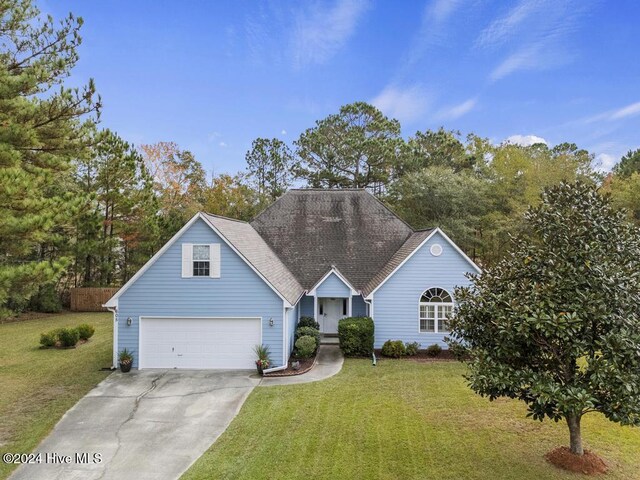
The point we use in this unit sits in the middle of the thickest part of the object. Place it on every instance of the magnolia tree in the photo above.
(556, 323)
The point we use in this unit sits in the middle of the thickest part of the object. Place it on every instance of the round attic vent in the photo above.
(436, 250)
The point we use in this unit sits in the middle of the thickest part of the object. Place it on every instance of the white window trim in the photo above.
(436, 323)
(193, 261)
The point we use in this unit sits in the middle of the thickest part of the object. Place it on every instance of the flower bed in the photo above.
(306, 364)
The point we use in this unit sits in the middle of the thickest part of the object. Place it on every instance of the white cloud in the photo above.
(406, 105)
(525, 140)
(441, 10)
(605, 161)
(611, 115)
(505, 26)
(624, 112)
(320, 33)
(283, 132)
(527, 58)
(433, 29)
(213, 136)
(535, 35)
(457, 111)
(222, 144)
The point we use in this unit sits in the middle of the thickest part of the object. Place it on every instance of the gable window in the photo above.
(436, 306)
(201, 260)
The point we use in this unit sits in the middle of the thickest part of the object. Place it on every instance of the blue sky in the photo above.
(212, 76)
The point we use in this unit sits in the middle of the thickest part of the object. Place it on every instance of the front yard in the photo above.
(39, 386)
(399, 420)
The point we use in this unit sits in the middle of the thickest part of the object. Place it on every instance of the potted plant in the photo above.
(263, 361)
(125, 357)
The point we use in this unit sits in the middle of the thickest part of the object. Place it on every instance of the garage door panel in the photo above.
(199, 343)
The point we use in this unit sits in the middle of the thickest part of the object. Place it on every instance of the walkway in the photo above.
(330, 360)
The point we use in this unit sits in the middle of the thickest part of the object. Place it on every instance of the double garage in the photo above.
(199, 343)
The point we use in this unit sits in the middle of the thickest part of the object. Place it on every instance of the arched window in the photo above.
(436, 304)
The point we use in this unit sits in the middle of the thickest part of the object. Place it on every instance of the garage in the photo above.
(199, 343)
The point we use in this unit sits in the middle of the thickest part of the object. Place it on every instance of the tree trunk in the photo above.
(575, 438)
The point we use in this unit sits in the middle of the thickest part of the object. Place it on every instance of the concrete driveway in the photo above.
(151, 424)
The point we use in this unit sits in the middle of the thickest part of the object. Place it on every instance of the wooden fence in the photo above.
(90, 299)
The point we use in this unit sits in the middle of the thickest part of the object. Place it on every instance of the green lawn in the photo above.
(399, 420)
(38, 386)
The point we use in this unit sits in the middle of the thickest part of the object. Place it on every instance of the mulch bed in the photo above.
(306, 364)
(422, 357)
(588, 464)
(58, 345)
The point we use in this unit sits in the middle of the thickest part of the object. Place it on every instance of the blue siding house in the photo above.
(221, 286)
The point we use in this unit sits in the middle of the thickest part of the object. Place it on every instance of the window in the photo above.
(344, 306)
(436, 306)
(201, 260)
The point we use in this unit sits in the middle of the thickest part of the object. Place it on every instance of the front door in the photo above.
(331, 310)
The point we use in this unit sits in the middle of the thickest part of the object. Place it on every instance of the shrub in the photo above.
(305, 346)
(48, 339)
(308, 331)
(85, 331)
(356, 336)
(308, 322)
(412, 348)
(393, 348)
(68, 337)
(46, 300)
(434, 350)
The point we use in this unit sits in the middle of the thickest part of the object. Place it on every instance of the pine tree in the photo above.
(44, 125)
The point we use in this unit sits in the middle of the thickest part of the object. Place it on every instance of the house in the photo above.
(221, 286)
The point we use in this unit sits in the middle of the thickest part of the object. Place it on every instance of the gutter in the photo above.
(113, 310)
(275, 369)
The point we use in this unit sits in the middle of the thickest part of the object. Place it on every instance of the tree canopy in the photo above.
(357, 147)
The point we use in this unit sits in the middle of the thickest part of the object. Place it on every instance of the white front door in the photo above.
(332, 311)
(199, 343)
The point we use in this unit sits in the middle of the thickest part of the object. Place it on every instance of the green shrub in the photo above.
(308, 322)
(308, 331)
(85, 331)
(393, 348)
(305, 346)
(356, 336)
(46, 300)
(412, 348)
(48, 339)
(68, 337)
(434, 350)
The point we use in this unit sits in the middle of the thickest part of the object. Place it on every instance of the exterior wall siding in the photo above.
(396, 303)
(239, 292)
(333, 287)
(358, 307)
(306, 306)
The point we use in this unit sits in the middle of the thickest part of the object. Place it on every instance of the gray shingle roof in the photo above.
(403, 252)
(312, 229)
(256, 251)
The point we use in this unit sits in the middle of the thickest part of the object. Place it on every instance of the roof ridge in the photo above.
(223, 217)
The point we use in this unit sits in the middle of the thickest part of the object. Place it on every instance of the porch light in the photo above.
(271, 322)
(129, 320)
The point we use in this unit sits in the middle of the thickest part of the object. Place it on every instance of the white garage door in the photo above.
(198, 343)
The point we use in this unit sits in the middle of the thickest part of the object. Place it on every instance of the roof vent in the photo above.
(436, 250)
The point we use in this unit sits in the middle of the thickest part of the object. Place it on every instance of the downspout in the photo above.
(114, 363)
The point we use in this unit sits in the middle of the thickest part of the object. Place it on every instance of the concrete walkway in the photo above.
(330, 360)
(148, 424)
